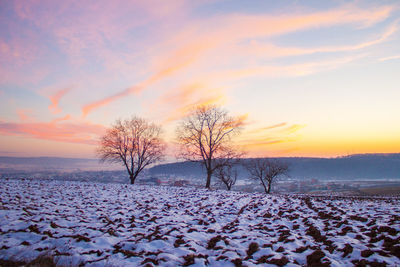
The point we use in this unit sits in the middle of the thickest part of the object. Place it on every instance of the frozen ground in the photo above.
(77, 223)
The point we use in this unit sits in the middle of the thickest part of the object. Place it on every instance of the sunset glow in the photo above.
(307, 78)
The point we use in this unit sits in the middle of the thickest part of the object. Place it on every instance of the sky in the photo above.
(309, 78)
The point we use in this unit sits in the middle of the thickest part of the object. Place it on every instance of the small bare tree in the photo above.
(206, 136)
(227, 175)
(266, 171)
(135, 143)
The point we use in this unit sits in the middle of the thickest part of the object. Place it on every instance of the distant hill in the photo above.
(360, 166)
(34, 164)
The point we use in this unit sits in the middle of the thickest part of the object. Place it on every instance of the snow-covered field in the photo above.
(122, 225)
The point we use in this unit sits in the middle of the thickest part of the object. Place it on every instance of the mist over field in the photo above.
(363, 166)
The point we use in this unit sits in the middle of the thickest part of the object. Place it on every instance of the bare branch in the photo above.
(227, 174)
(205, 135)
(134, 142)
(266, 171)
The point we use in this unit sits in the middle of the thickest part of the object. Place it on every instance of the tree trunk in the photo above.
(269, 188)
(132, 178)
(265, 187)
(208, 183)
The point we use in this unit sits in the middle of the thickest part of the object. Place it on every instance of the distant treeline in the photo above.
(362, 166)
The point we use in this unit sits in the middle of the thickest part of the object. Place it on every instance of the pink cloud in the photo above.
(65, 118)
(105, 101)
(56, 130)
(24, 114)
(55, 99)
(228, 29)
(268, 50)
(82, 29)
(177, 102)
(200, 37)
(19, 54)
(193, 46)
(17, 51)
(175, 62)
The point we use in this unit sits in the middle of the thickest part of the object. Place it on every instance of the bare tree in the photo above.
(206, 136)
(135, 143)
(266, 171)
(227, 175)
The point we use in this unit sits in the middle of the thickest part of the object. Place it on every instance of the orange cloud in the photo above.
(220, 32)
(268, 144)
(261, 139)
(258, 144)
(94, 105)
(229, 35)
(55, 99)
(241, 119)
(176, 103)
(177, 61)
(183, 111)
(269, 127)
(83, 132)
(293, 128)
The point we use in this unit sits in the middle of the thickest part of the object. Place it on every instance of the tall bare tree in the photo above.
(135, 143)
(205, 135)
(266, 171)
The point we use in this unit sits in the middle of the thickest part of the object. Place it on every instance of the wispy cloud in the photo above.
(263, 129)
(55, 99)
(177, 56)
(251, 26)
(56, 130)
(288, 70)
(269, 50)
(242, 119)
(182, 111)
(105, 101)
(264, 138)
(65, 118)
(180, 59)
(217, 33)
(179, 101)
(24, 114)
(389, 58)
(293, 128)
(261, 143)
